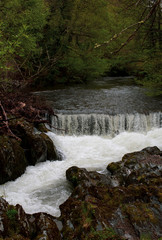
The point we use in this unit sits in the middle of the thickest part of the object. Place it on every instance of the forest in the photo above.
(45, 42)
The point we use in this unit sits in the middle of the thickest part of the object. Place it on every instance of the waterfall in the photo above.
(102, 124)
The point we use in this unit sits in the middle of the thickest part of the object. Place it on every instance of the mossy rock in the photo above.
(128, 200)
(42, 128)
(113, 167)
(51, 149)
(12, 159)
(21, 127)
(18, 225)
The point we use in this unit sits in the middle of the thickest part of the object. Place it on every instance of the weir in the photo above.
(103, 124)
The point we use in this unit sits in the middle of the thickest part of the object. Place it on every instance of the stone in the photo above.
(46, 227)
(130, 209)
(33, 148)
(33, 144)
(15, 224)
(12, 159)
(51, 149)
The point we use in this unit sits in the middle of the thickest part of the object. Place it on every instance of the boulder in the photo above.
(36, 149)
(15, 224)
(138, 167)
(46, 227)
(38, 146)
(33, 144)
(12, 159)
(33, 148)
(125, 203)
(42, 128)
(51, 149)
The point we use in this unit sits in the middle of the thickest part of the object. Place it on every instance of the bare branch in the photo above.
(5, 122)
(138, 24)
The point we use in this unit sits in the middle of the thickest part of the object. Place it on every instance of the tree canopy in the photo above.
(21, 29)
(49, 41)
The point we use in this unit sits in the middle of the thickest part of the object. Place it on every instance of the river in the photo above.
(101, 122)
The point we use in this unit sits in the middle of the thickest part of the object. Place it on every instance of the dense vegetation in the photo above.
(48, 41)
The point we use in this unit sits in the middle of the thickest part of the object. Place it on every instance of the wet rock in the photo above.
(152, 150)
(12, 159)
(144, 166)
(46, 227)
(130, 209)
(51, 149)
(38, 147)
(33, 148)
(3, 219)
(42, 128)
(16, 224)
(84, 214)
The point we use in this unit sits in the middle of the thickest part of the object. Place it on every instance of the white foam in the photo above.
(44, 186)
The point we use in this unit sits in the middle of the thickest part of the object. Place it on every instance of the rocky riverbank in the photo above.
(31, 146)
(122, 203)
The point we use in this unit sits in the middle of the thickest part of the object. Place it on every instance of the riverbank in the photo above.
(29, 148)
(22, 137)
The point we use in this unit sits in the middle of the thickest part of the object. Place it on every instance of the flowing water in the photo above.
(93, 135)
(102, 124)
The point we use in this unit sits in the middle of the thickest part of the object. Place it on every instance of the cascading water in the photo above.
(99, 125)
(44, 187)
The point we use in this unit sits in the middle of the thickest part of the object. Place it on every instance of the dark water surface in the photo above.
(107, 96)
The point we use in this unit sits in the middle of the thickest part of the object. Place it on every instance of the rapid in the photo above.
(99, 126)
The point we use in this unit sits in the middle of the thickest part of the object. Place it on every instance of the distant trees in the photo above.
(76, 26)
(137, 42)
(78, 40)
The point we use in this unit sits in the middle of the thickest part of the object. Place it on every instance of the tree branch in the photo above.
(5, 122)
(139, 26)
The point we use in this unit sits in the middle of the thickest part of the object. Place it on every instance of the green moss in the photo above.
(140, 212)
(107, 233)
(11, 214)
(74, 180)
(145, 236)
(42, 128)
(113, 167)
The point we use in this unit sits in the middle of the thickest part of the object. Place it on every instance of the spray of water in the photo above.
(44, 187)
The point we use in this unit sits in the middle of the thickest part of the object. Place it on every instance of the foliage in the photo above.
(76, 41)
(76, 26)
(151, 76)
(21, 25)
